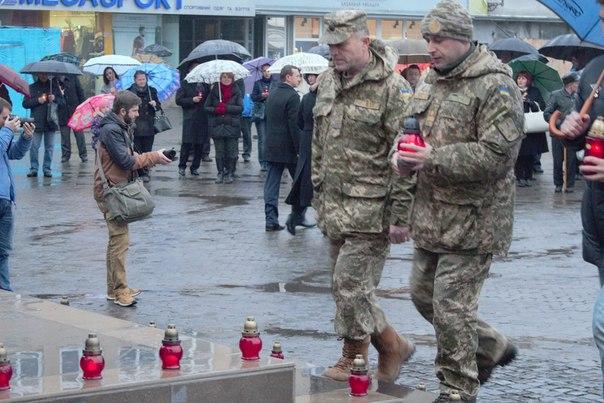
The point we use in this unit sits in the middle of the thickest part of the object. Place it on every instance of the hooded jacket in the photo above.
(356, 121)
(116, 155)
(472, 117)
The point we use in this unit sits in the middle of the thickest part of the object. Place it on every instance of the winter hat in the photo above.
(449, 19)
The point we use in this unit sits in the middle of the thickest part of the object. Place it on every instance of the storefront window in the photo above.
(195, 30)
(392, 29)
(133, 32)
(306, 33)
(275, 37)
(81, 34)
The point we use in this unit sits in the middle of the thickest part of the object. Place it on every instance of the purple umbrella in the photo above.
(254, 66)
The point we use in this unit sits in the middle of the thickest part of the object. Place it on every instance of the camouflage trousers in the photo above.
(357, 264)
(445, 289)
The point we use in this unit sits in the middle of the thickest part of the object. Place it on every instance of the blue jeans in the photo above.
(261, 130)
(49, 138)
(598, 321)
(6, 240)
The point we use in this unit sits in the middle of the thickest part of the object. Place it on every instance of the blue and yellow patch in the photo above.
(504, 90)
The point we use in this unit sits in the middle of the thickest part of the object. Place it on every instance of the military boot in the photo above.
(341, 370)
(393, 351)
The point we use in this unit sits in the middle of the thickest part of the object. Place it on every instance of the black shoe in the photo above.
(537, 169)
(569, 190)
(206, 159)
(290, 225)
(84, 159)
(508, 356)
(246, 159)
(181, 171)
(558, 189)
(47, 174)
(219, 178)
(229, 178)
(32, 174)
(194, 172)
(274, 227)
(263, 169)
(527, 183)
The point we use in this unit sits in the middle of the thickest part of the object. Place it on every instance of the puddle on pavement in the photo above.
(221, 200)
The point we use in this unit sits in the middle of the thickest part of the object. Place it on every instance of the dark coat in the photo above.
(534, 143)
(40, 111)
(73, 94)
(259, 110)
(146, 113)
(228, 125)
(282, 133)
(592, 208)
(302, 191)
(194, 116)
(4, 93)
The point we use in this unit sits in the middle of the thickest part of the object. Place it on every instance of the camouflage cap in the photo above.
(449, 19)
(340, 25)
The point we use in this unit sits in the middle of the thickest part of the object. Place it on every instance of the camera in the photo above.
(23, 120)
(171, 154)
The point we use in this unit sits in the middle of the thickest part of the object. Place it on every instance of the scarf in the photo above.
(227, 92)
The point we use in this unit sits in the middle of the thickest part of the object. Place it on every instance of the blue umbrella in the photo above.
(254, 66)
(582, 16)
(164, 79)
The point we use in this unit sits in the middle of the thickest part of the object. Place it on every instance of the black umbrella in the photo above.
(63, 57)
(322, 50)
(217, 49)
(157, 50)
(511, 48)
(566, 47)
(52, 67)
(532, 57)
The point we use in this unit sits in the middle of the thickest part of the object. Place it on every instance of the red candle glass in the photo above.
(277, 351)
(411, 135)
(250, 343)
(170, 352)
(6, 371)
(359, 379)
(92, 362)
(594, 147)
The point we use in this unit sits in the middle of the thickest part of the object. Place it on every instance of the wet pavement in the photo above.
(205, 262)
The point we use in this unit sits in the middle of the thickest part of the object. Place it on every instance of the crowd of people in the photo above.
(454, 196)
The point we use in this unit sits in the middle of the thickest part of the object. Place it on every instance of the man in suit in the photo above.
(282, 140)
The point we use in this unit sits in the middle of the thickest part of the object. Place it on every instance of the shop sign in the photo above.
(199, 7)
(372, 7)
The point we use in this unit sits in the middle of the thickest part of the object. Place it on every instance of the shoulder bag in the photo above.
(534, 122)
(128, 201)
(161, 123)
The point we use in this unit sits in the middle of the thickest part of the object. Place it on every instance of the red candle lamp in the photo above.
(170, 351)
(92, 361)
(411, 135)
(250, 343)
(277, 351)
(594, 143)
(359, 379)
(6, 371)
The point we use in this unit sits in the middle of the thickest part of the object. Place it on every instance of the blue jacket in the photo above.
(11, 150)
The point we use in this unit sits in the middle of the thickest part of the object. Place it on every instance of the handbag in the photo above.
(534, 122)
(126, 202)
(161, 123)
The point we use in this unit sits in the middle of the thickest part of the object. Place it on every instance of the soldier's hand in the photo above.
(399, 234)
(399, 166)
(415, 159)
(594, 171)
(575, 125)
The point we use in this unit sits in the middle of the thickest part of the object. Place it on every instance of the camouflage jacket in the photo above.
(356, 122)
(473, 119)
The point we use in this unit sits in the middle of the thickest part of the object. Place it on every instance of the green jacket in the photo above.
(356, 122)
(473, 119)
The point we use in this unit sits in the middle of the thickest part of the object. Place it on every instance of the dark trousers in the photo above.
(66, 143)
(261, 130)
(226, 152)
(571, 163)
(246, 134)
(524, 167)
(143, 144)
(271, 189)
(205, 145)
(185, 150)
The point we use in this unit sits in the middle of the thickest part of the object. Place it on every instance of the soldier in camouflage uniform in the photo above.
(357, 116)
(470, 114)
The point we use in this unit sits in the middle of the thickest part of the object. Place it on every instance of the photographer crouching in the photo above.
(115, 167)
(11, 150)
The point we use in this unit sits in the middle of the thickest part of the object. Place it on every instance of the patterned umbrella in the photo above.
(10, 78)
(64, 57)
(209, 72)
(84, 113)
(149, 58)
(119, 63)
(308, 63)
(157, 50)
(163, 78)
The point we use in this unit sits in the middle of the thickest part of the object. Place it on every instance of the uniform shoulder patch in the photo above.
(503, 90)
